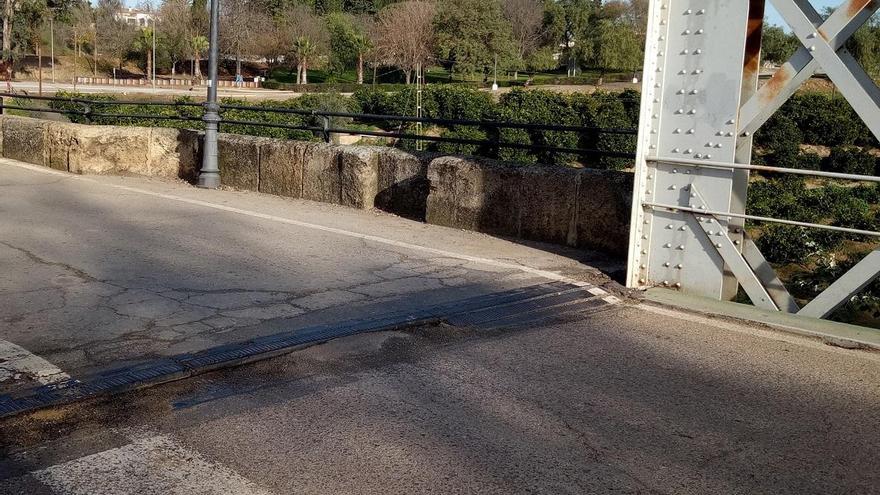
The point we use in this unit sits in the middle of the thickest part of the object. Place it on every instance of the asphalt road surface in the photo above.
(629, 398)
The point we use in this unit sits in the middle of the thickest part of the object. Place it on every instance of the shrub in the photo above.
(786, 243)
(850, 160)
(824, 119)
(779, 135)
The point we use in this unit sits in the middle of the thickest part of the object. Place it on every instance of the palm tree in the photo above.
(143, 44)
(199, 45)
(303, 51)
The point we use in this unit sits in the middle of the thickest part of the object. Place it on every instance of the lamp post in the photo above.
(209, 176)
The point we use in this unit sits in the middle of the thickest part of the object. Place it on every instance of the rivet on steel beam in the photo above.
(683, 228)
(681, 247)
(678, 285)
(667, 245)
(666, 282)
(672, 187)
(666, 264)
(691, 131)
(701, 11)
(698, 51)
(718, 245)
(641, 281)
(699, 31)
(689, 151)
(711, 232)
(679, 266)
(688, 12)
(686, 32)
(694, 91)
(676, 150)
(708, 157)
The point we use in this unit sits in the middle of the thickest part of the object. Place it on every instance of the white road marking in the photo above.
(381, 240)
(17, 362)
(152, 465)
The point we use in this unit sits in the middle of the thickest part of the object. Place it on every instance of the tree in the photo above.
(471, 34)
(84, 20)
(113, 34)
(617, 47)
(777, 46)
(570, 23)
(175, 27)
(238, 17)
(349, 42)
(198, 44)
(404, 35)
(526, 18)
(143, 46)
(306, 38)
(33, 14)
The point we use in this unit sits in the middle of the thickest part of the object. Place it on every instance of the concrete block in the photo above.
(603, 211)
(474, 195)
(358, 176)
(281, 167)
(548, 197)
(239, 161)
(24, 139)
(403, 183)
(174, 153)
(105, 149)
(321, 174)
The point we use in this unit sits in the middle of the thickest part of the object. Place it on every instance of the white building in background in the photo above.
(136, 17)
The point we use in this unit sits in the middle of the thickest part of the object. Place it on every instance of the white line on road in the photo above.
(17, 362)
(154, 464)
(367, 237)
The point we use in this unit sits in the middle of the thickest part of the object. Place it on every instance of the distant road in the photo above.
(199, 92)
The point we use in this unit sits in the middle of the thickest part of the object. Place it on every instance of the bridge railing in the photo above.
(92, 111)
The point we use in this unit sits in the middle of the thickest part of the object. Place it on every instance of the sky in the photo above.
(773, 17)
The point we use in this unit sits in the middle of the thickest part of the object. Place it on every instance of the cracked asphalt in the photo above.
(103, 272)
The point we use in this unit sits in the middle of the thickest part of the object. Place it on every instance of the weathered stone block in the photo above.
(402, 183)
(281, 167)
(321, 174)
(358, 176)
(603, 211)
(239, 160)
(105, 149)
(24, 139)
(59, 136)
(174, 153)
(474, 195)
(548, 196)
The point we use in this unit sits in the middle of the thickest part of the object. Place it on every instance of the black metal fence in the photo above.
(189, 115)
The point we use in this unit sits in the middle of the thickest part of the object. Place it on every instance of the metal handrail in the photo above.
(707, 212)
(494, 142)
(762, 168)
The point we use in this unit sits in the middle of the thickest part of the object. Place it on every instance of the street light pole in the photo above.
(154, 54)
(209, 176)
(52, 44)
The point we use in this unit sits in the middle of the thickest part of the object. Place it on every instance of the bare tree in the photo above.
(526, 18)
(114, 34)
(238, 18)
(405, 35)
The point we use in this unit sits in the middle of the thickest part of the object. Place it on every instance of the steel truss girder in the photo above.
(724, 253)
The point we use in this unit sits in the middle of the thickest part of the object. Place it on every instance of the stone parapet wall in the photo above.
(575, 207)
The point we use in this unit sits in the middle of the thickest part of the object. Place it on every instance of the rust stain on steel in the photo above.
(853, 7)
(774, 86)
(752, 61)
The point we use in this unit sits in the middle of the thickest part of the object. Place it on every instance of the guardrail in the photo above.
(86, 108)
